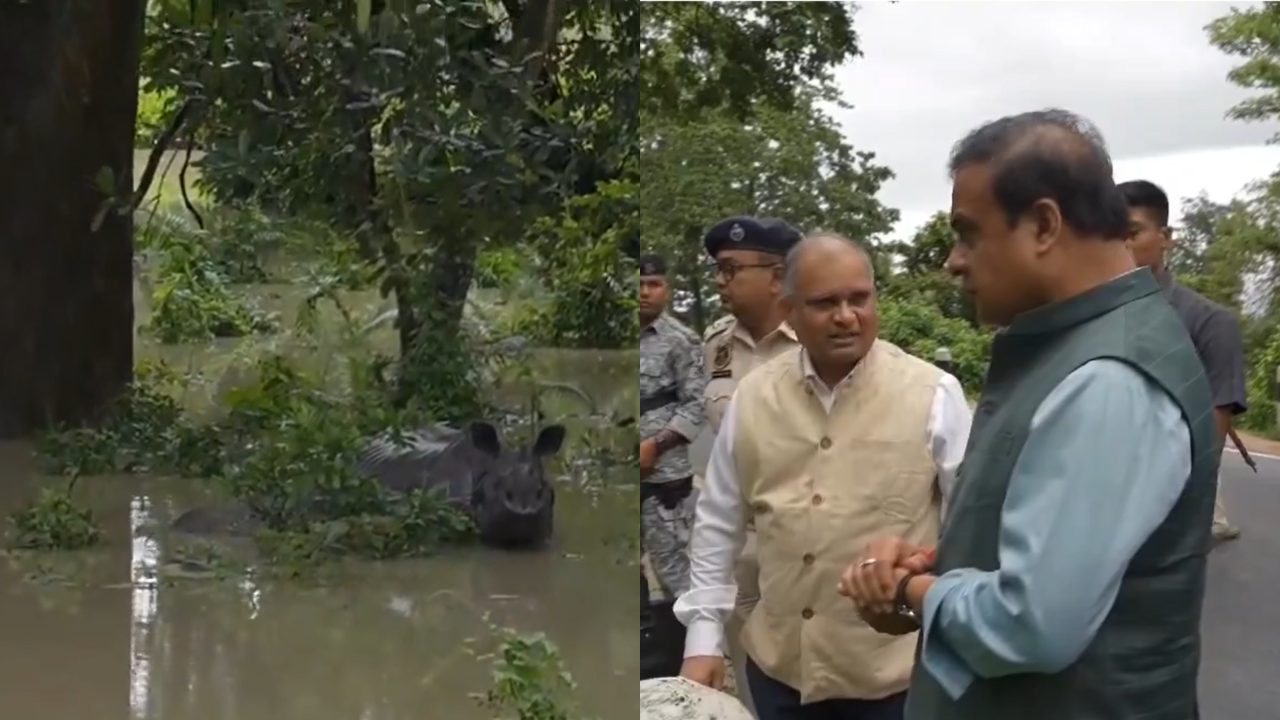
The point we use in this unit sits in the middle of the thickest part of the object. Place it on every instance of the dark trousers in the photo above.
(778, 701)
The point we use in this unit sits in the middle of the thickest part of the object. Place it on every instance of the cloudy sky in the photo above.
(1143, 72)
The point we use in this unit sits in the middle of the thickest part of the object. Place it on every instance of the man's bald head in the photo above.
(829, 289)
(821, 248)
(1048, 154)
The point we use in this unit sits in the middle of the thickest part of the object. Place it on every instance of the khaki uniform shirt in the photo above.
(731, 354)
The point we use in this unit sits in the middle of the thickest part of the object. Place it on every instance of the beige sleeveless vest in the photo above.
(820, 487)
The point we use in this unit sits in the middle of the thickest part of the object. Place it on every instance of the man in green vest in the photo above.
(1069, 575)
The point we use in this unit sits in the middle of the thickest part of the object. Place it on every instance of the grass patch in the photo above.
(53, 521)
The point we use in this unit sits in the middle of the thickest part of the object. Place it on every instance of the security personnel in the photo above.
(672, 385)
(748, 253)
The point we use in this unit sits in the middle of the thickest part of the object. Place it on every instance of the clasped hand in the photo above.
(871, 582)
(648, 456)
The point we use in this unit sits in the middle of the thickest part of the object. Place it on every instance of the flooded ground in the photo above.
(103, 635)
(108, 634)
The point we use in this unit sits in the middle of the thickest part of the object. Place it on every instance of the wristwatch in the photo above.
(901, 606)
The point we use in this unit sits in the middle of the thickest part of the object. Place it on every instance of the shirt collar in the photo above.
(811, 376)
(783, 330)
(653, 326)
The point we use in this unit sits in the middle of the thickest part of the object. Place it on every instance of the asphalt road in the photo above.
(1240, 671)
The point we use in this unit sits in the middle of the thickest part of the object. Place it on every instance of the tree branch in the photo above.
(157, 152)
(182, 182)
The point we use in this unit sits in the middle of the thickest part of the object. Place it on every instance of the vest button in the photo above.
(760, 508)
(808, 389)
(807, 613)
(825, 443)
(817, 499)
(808, 558)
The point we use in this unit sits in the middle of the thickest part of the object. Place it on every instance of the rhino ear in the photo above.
(485, 438)
(549, 441)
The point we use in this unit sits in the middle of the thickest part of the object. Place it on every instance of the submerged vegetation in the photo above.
(283, 442)
(529, 680)
(54, 521)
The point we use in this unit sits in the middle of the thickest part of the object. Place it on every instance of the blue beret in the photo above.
(766, 235)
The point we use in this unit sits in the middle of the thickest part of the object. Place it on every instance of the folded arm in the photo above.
(1106, 449)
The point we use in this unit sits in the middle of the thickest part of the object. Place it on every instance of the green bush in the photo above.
(1260, 381)
(920, 328)
(152, 110)
(53, 521)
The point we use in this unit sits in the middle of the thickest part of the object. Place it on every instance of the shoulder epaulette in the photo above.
(719, 326)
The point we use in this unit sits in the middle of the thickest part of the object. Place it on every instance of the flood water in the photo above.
(108, 634)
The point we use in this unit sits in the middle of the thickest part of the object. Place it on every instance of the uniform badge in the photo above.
(723, 360)
(736, 233)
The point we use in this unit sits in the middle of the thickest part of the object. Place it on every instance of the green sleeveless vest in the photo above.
(1145, 659)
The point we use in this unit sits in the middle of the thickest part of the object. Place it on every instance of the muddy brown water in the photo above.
(108, 634)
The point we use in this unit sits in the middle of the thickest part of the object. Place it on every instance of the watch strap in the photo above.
(900, 604)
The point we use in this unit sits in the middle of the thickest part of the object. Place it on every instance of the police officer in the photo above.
(672, 386)
(748, 253)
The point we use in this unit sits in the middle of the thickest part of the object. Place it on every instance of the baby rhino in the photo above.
(505, 490)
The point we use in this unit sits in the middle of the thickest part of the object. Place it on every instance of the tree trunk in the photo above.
(68, 101)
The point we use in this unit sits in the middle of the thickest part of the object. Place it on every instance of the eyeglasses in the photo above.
(729, 270)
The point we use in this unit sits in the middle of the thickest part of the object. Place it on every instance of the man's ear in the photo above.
(1046, 217)
(775, 278)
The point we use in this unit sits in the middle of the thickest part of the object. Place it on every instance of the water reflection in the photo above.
(144, 556)
(384, 642)
(394, 641)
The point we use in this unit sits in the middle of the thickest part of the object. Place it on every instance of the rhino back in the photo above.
(232, 519)
(436, 457)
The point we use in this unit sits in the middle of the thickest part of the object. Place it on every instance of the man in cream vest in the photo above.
(824, 447)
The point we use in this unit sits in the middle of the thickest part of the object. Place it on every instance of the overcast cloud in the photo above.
(1143, 72)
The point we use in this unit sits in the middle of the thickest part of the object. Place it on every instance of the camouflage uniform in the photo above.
(672, 380)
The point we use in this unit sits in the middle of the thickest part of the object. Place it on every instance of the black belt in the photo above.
(658, 401)
(669, 494)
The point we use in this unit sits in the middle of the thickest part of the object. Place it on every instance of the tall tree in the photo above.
(434, 129)
(732, 121)
(793, 163)
(735, 56)
(918, 276)
(68, 98)
(1252, 34)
